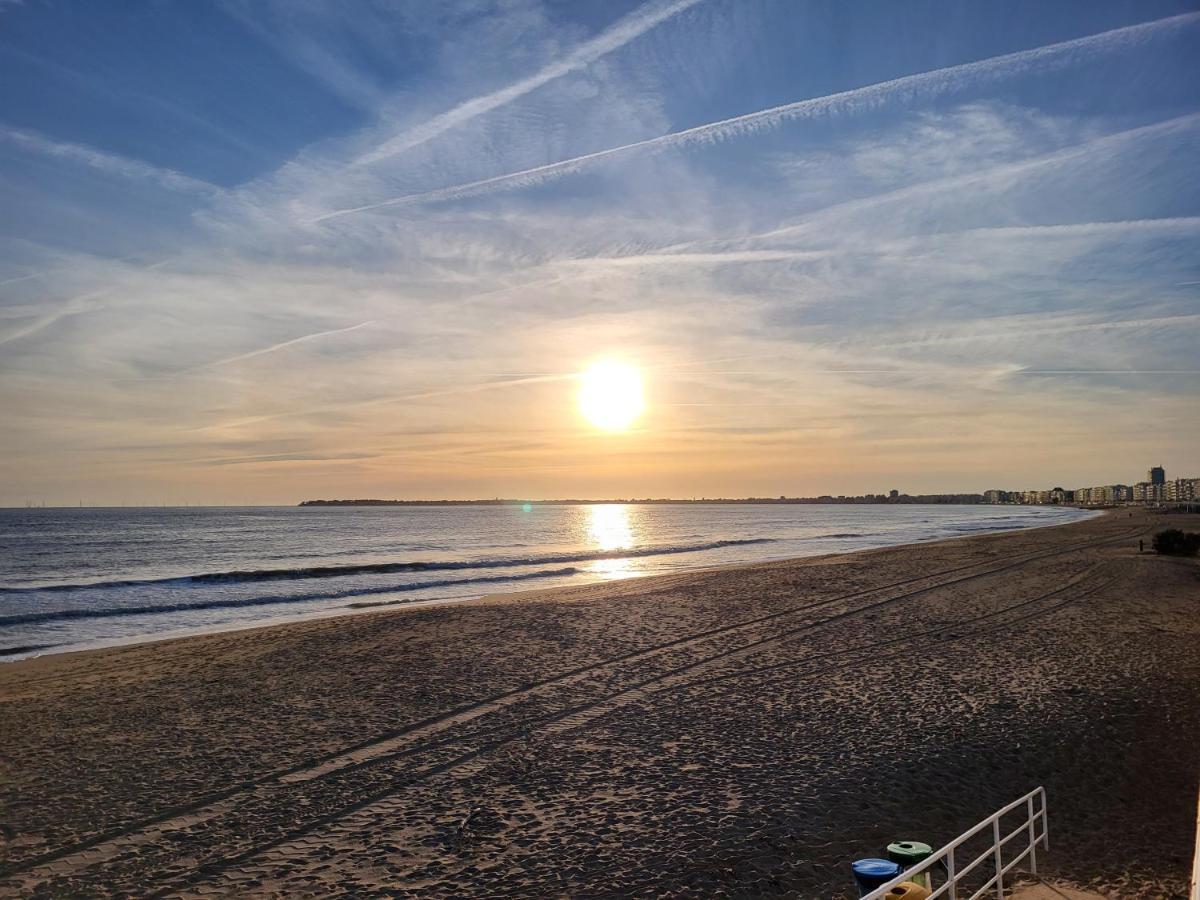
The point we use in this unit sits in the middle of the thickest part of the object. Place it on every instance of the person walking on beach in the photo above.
(1141, 545)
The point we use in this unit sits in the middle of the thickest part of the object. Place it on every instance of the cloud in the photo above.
(925, 85)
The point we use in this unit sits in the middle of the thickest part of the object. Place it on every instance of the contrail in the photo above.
(820, 218)
(72, 307)
(1117, 226)
(632, 26)
(20, 278)
(108, 163)
(815, 219)
(500, 380)
(1024, 327)
(300, 340)
(383, 401)
(695, 259)
(924, 84)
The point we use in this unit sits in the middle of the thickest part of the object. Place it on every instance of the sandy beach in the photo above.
(737, 732)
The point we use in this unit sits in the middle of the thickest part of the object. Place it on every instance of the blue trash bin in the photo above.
(871, 873)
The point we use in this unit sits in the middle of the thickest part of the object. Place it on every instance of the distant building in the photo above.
(1117, 493)
(893, 493)
(1183, 489)
(1104, 495)
(1156, 489)
(1148, 492)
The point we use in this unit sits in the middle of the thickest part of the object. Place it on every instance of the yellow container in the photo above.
(908, 890)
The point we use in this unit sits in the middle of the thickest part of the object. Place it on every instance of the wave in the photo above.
(295, 574)
(117, 611)
(24, 648)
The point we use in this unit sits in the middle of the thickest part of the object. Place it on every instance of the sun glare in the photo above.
(611, 395)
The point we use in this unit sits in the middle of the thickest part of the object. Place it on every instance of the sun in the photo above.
(610, 396)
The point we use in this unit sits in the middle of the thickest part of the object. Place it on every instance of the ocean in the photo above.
(76, 578)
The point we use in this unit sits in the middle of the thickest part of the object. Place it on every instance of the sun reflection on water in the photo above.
(610, 527)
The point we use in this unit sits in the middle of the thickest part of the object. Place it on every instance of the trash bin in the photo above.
(908, 890)
(908, 854)
(871, 873)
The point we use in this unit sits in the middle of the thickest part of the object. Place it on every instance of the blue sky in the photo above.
(263, 251)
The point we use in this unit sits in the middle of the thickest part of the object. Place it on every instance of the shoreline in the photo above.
(282, 621)
(747, 729)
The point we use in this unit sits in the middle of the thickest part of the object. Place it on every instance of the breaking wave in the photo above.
(384, 568)
(106, 612)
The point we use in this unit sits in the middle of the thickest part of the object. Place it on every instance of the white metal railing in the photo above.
(944, 861)
(1195, 894)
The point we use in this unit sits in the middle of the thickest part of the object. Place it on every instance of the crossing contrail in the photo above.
(614, 38)
(924, 84)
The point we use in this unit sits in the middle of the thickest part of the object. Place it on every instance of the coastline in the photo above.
(748, 728)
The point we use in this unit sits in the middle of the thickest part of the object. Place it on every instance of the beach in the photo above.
(742, 731)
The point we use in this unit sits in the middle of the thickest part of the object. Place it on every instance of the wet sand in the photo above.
(737, 732)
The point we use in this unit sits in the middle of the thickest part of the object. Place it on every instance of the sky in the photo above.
(259, 251)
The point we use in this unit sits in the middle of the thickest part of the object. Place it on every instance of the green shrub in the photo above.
(1174, 542)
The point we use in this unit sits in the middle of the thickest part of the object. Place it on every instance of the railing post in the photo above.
(950, 877)
(1032, 838)
(999, 858)
(1045, 822)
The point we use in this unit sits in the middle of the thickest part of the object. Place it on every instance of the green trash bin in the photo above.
(908, 854)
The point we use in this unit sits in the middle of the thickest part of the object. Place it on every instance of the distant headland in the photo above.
(892, 497)
(1156, 490)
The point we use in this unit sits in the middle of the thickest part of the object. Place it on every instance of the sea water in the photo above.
(72, 578)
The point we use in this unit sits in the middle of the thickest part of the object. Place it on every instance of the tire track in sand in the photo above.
(109, 846)
(389, 804)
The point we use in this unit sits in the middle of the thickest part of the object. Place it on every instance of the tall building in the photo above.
(1157, 475)
(1183, 489)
